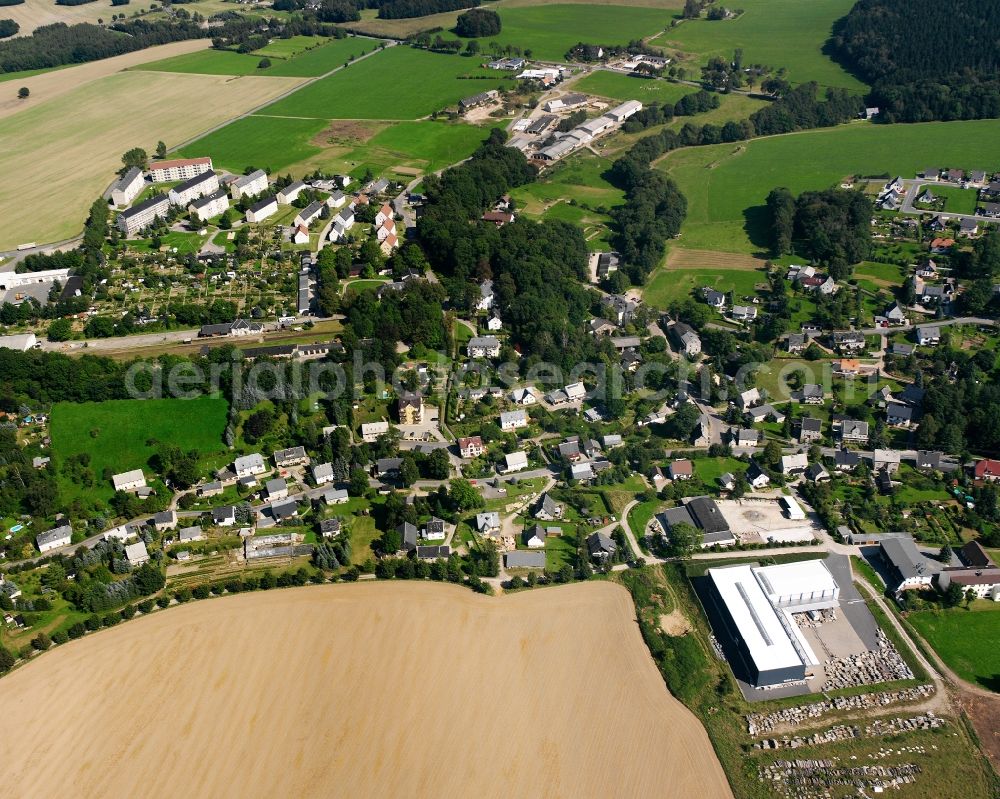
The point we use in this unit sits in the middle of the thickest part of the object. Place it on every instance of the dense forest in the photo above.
(478, 22)
(830, 226)
(8, 28)
(925, 59)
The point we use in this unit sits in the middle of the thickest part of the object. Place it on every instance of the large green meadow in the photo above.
(778, 33)
(400, 83)
(548, 31)
(967, 640)
(726, 185)
(300, 145)
(289, 58)
(272, 142)
(120, 435)
(618, 86)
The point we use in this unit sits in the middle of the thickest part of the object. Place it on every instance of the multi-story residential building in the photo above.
(180, 169)
(262, 209)
(141, 216)
(210, 205)
(127, 188)
(249, 185)
(193, 188)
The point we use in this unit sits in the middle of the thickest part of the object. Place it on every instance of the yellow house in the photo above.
(411, 408)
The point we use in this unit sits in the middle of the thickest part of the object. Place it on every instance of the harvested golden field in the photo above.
(376, 689)
(33, 14)
(63, 153)
(680, 258)
(49, 85)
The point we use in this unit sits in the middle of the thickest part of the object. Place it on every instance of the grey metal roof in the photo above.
(906, 558)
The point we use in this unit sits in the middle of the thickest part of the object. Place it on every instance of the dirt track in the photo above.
(377, 689)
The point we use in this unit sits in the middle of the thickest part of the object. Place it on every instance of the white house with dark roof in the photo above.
(928, 334)
(129, 481)
(142, 215)
(249, 185)
(247, 465)
(262, 209)
(210, 205)
(290, 193)
(513, 420)
(293, 456)
(198, 186)
(127, 187)
(484, 347)
(54, 538)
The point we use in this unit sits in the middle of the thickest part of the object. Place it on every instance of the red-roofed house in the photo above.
(471, 447)
(942, 245)
(987, 469)
(179, 169)
(385, 212)
(389, 244)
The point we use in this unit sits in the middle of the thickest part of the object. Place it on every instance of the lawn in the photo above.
(574, 191)
(726, 185)
(668, 285)
(778, 33)
(965, 639)
(415, 82)
(120, 434)
(709, 470)
(176, 241)
(306, 64)
(266, 142)
(956, 200)
(883, 275)
(362, 532)
(626, 87)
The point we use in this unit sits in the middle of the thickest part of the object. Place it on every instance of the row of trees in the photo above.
(58, 44)
(405, 9)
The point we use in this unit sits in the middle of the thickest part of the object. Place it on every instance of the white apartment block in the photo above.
(290, 193)
(309, 214)
(262, 210)
(249, 185)
(193, 188)
(211, 205)
(127, 188)
(141, 216)
(180, 169)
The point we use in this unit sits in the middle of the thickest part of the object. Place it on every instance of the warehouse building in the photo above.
(753, 610)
